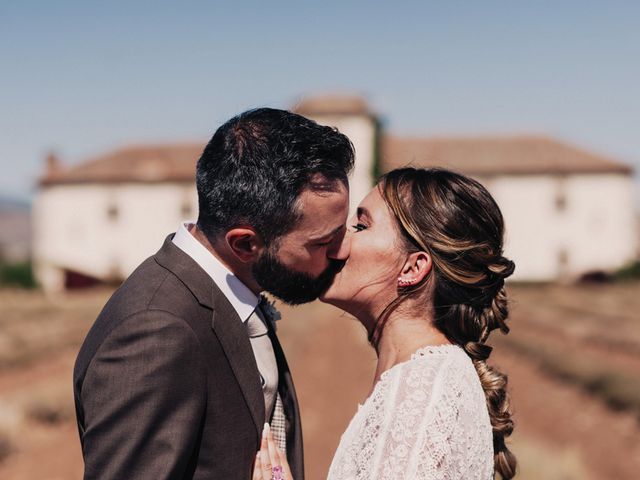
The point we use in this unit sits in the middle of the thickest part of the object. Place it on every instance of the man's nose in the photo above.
(340, 247)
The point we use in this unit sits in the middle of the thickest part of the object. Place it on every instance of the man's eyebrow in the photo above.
(326, 236)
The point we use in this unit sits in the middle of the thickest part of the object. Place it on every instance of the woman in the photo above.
(425, 276)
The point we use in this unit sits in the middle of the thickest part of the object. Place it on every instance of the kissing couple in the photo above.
(183, 368)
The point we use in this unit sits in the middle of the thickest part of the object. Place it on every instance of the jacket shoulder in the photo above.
(150, 291)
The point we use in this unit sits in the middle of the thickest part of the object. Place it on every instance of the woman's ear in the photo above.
(245, 243)
(415, 269)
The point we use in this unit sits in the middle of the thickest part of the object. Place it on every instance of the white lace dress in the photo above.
(425, 420)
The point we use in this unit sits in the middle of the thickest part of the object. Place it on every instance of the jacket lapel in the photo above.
(225, 322)
(233, 337)
(187, 270)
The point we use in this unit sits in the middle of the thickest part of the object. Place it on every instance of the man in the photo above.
(182, 367)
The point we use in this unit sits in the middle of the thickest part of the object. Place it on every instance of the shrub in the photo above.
(629, 272)
(17, 275)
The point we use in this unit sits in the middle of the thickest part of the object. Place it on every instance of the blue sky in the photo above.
(83, 77)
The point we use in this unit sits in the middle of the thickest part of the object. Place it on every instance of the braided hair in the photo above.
(455, 220)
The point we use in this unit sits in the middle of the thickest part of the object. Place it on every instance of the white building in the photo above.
(97, 221)
(351, 115)
(568, 212)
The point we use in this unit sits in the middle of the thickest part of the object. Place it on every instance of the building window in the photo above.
(112, 213)
(563, 262)
(561, 194)
(186, 211)
(188, 205)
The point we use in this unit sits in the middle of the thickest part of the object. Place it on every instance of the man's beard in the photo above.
(291, 286)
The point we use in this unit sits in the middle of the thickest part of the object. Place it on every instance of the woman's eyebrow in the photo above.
(363, 212)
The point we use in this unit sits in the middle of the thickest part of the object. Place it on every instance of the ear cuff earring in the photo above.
(405, 282)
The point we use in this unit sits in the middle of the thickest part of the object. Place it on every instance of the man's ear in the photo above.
(245, 243)
(415, 269)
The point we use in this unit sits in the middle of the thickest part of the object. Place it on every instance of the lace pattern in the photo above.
(426, 419)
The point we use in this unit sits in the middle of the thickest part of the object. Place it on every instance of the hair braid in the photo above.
(456, 221)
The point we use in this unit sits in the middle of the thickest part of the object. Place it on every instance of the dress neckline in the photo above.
(421, 352)
(424, 352)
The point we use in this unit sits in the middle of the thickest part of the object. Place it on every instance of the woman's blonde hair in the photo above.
(455, 220)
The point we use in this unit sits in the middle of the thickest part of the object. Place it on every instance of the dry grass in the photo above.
(620, 390)
(586, 337)
(34, 326)
(50, 408)
(539, 461)
(34, 331)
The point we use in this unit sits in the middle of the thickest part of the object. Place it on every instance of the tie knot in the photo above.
(271, 313)
(256, 325)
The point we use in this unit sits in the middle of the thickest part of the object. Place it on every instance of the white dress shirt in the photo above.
(243, 300)
(245, 303)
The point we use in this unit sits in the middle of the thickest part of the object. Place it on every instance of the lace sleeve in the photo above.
(426, 420)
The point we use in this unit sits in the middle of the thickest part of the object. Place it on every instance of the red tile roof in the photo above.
(495, 155)
(146, 164)
(474, 156)
(335, 104)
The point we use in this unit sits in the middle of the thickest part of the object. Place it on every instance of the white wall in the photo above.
(73, 229)
(361, 131)
(595, 229)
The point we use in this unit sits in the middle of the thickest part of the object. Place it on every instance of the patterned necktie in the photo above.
(268, 368)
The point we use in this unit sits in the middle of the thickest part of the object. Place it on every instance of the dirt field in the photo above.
(573, 360)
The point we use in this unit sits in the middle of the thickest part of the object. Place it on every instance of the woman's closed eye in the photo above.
(359, 227)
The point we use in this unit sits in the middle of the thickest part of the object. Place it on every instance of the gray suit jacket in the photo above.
(166, 385)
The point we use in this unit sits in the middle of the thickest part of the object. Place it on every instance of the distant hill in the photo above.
(13, 203)
(15, 229)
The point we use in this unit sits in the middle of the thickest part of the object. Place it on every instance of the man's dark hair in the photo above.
(255, 166)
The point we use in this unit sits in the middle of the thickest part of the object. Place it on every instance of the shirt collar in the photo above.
(243, 300)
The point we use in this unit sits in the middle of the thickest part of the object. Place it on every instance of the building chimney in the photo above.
(53, 164)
